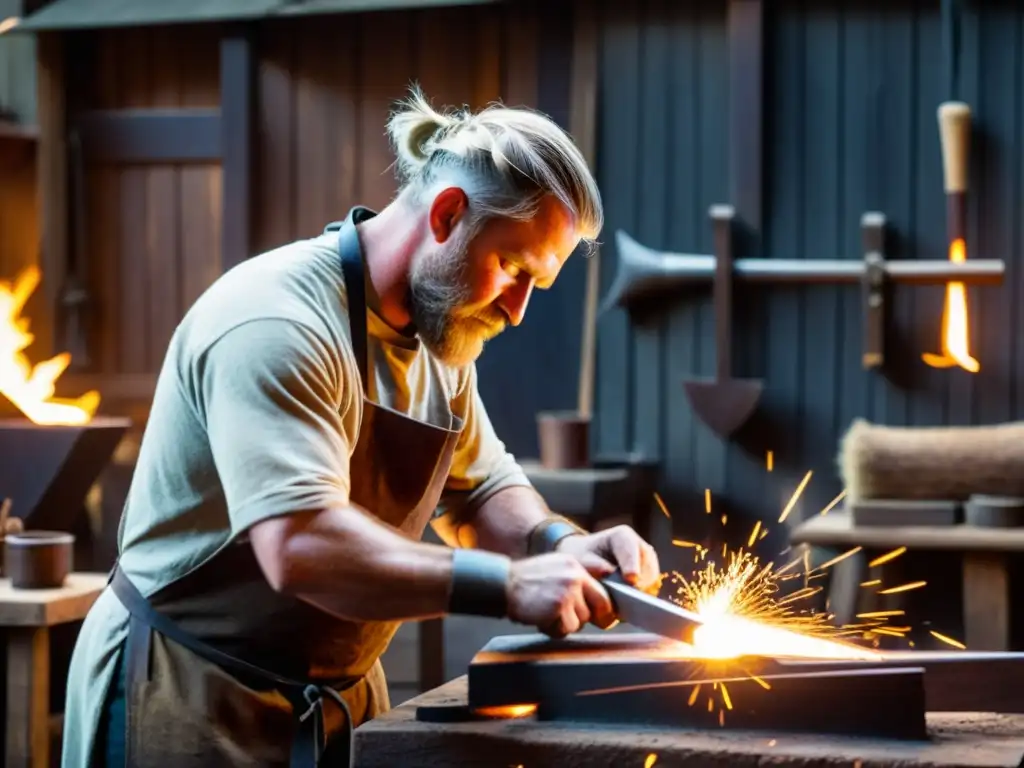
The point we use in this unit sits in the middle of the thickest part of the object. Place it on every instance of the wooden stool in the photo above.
(25, 619)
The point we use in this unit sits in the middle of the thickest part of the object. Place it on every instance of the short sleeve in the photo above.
(272, 395)
(482, 465)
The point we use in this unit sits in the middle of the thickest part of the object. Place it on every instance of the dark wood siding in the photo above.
(153, 230)
(850, 126)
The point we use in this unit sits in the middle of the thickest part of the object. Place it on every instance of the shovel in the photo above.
(724, 404)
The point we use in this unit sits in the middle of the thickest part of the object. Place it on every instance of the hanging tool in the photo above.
(724, 404)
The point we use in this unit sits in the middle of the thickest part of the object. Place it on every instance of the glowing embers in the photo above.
(639, 679)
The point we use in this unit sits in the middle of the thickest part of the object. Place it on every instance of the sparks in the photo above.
(753, 534)
(887, 557)
(745, 612)
(661, 505)
(828, 507)
(770, 460)
(839, 559)
(795, 497)
(948, 640)
(651, 760)
(903, 588)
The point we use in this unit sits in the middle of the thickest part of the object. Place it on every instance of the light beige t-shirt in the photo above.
(256, 411)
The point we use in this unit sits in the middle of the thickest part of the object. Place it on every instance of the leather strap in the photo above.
(548, 533)
(479, 583)
(354, 271)
(306, 697)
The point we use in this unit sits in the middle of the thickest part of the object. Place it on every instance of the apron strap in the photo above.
(353, 269)
(306, 698)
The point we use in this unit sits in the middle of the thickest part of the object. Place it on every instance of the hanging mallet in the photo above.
(955, 137)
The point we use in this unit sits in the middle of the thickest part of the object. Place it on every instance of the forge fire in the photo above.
(31, 388)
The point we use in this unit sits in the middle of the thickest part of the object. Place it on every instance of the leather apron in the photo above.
(219, 669)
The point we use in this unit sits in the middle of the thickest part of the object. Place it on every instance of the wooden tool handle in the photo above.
(955, 136)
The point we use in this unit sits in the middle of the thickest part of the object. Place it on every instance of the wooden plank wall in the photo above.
(152, 239)
(850, 111)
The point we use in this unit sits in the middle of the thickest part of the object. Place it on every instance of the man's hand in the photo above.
(619, 548)
(554, 593)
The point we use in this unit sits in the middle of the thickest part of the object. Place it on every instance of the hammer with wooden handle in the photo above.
(955, 137)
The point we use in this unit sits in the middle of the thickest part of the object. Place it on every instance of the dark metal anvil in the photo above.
(640, 679)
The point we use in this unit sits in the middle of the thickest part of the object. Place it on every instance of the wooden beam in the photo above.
(583, 126)
(238, 117)
(150, 135)
(52, 185)
(746, 89)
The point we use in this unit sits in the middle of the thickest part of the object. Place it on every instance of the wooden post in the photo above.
(238, 113)
(28, 697)
(746, 89)
(583, 127)
(52, 186)
(986, 601)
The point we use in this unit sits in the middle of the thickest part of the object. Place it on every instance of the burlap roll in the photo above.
(880, 462)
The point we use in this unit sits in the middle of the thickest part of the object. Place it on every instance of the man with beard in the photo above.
(317, 408)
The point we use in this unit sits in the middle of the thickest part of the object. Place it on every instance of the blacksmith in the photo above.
(317, 408)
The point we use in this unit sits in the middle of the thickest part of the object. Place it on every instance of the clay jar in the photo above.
(38, 559)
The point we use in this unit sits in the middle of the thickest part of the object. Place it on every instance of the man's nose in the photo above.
(515, 298)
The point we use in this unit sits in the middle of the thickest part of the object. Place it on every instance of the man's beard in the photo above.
(437, 289)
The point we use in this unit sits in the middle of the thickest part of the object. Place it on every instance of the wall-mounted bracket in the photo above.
(874, 284)
(645, 276)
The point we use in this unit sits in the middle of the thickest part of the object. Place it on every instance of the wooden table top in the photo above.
(837, 529)
(47, 607)
(957, 739)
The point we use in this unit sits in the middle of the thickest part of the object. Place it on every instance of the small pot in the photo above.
(38, 559)
(564, 439)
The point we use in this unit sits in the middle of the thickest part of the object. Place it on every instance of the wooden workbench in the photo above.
(398, 739)
(986, 554)
(25, 619)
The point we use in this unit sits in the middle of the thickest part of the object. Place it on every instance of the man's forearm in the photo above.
(352, 565)
(504, 521)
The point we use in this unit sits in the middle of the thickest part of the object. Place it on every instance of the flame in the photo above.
(955, 328)
(30, 388)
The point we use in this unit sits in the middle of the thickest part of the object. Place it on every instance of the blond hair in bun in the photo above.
(505, 159)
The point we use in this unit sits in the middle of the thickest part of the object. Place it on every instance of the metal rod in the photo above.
(937, 272)
(644, 274)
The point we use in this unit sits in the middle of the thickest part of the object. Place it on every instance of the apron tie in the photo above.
(311, 727)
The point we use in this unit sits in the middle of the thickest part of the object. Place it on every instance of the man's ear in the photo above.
(448, 208)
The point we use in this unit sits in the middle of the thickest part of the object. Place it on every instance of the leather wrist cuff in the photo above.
(479, 582)
(547, 534)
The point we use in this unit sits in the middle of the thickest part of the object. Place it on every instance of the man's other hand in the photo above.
(619, 548)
